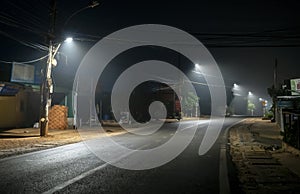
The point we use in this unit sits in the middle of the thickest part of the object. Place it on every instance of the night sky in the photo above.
(245, 37)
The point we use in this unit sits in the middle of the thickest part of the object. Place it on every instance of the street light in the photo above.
(47, 87)
(251, 100)
(91, 5)
(264, 104)
(68, 40)
(47, 84)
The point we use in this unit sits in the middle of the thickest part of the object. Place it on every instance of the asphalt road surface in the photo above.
(75, 169)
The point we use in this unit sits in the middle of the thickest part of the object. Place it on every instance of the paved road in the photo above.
(74, 169)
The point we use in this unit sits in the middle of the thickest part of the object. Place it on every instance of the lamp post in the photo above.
(251, 105)
(47, 84)
(264, 104)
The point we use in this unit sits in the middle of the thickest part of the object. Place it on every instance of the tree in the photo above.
(251, 107)
(189, 103)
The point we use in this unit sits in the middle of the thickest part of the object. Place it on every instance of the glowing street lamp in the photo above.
(47, 87)
(251, 105)
(264, 104)
(68, 40)
(197, 66)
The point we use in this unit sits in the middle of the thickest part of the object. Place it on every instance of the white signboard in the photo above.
(22, 73)
(295, 86)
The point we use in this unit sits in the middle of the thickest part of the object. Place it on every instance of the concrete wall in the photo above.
(21, 110)
(8, 117)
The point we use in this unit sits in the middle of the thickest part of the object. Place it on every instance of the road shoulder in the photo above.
(261, 163)
(25, 140)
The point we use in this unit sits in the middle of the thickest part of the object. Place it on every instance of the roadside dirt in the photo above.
(261, 163)
(19, 141)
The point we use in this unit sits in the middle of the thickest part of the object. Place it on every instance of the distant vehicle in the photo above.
(171, 102)
(143, 96)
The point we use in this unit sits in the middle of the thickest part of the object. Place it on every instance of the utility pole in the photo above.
(47, 85)
(275, 75)
(275, 90)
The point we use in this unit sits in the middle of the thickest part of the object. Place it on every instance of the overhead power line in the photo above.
(25, 62)
(28, 44)
(16, 24)
(287, 37)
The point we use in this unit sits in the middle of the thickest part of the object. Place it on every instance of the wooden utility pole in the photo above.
(275, 90)
(275, 75)
(47, 85)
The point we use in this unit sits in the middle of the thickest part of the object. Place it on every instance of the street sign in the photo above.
(285, 104)
(295, 86)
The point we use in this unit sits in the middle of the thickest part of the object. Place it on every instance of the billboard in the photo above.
(295, 86)
(22, 73)
(7, 89)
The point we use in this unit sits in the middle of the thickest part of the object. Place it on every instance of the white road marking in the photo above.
(92, 171)
(87, 173)
(198, 124)
(75, 179)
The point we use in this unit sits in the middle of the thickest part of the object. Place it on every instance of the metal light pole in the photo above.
(47, 84)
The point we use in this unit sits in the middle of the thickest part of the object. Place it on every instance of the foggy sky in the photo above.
(249, 67)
